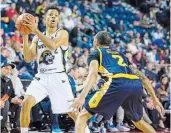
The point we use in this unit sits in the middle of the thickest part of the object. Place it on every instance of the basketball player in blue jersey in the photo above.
(123, 87)
(50, 48)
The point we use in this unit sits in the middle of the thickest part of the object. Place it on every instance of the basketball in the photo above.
(19, 23)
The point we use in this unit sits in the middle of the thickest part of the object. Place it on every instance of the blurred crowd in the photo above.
(144, 37)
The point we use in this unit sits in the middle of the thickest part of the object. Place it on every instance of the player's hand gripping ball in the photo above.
(23, 29)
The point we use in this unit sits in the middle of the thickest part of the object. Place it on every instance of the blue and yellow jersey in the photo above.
(112, 63)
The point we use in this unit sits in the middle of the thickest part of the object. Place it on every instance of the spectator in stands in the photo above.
(19, 92)
(109, 3)
(41, 26)
(139, 60)
(22, 4)
(4, 4)
(14, 49)
(41, 8)
(152, 56)
(158, 34)
(119, 120)
(11, 23)
(75, 11)
(68, 11)
(74, 34)
(122, 27)
(7, 88)
(163, 86)
(139, 45)
(73, 75)
(63, 14)
(11, 10)
(112, 24)
(31, 6)
(85, 53)
(69, 23)
(163, 4)
(27, 70)
(132, 47)
(95, 7)
(145, 22)
(86, 5)
(4, 54)
(150, 114)
(149, 71)
(88, 27)
(17, 38)
(81, 62)
(146, 39)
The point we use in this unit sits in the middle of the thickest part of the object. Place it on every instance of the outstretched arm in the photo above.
(91, 79)
(88, 84)
(147, 85)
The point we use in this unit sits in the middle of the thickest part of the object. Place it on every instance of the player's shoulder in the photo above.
(63, 32)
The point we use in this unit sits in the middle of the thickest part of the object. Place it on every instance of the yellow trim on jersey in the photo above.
(104, 71)
(94, 101)
(122, 75)
(100, 65)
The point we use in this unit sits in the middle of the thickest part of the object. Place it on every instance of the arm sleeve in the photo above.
(95, 55)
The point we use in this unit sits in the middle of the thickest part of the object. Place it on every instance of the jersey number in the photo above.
(120, 60)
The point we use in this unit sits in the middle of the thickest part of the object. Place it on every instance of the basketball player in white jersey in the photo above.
(50, 48)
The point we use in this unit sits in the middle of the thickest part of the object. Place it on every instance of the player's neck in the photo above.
(50, 31)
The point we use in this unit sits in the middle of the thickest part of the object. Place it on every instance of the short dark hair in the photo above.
(103, 38)
(51, 7)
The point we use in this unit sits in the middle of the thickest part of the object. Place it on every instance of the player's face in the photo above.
(52, 18)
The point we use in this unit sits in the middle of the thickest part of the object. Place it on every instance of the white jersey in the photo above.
(51, 61)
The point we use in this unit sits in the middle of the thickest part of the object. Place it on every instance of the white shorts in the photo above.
(57, 87)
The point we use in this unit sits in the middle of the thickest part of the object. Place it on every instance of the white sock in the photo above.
(24, 129)
(87, 130)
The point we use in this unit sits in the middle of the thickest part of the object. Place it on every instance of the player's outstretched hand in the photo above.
(78, 103)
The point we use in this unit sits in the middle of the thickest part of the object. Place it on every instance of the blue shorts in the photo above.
(118, 92)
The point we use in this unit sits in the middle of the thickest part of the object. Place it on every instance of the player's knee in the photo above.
(82, 119)
(28, 103)
(73, 115)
